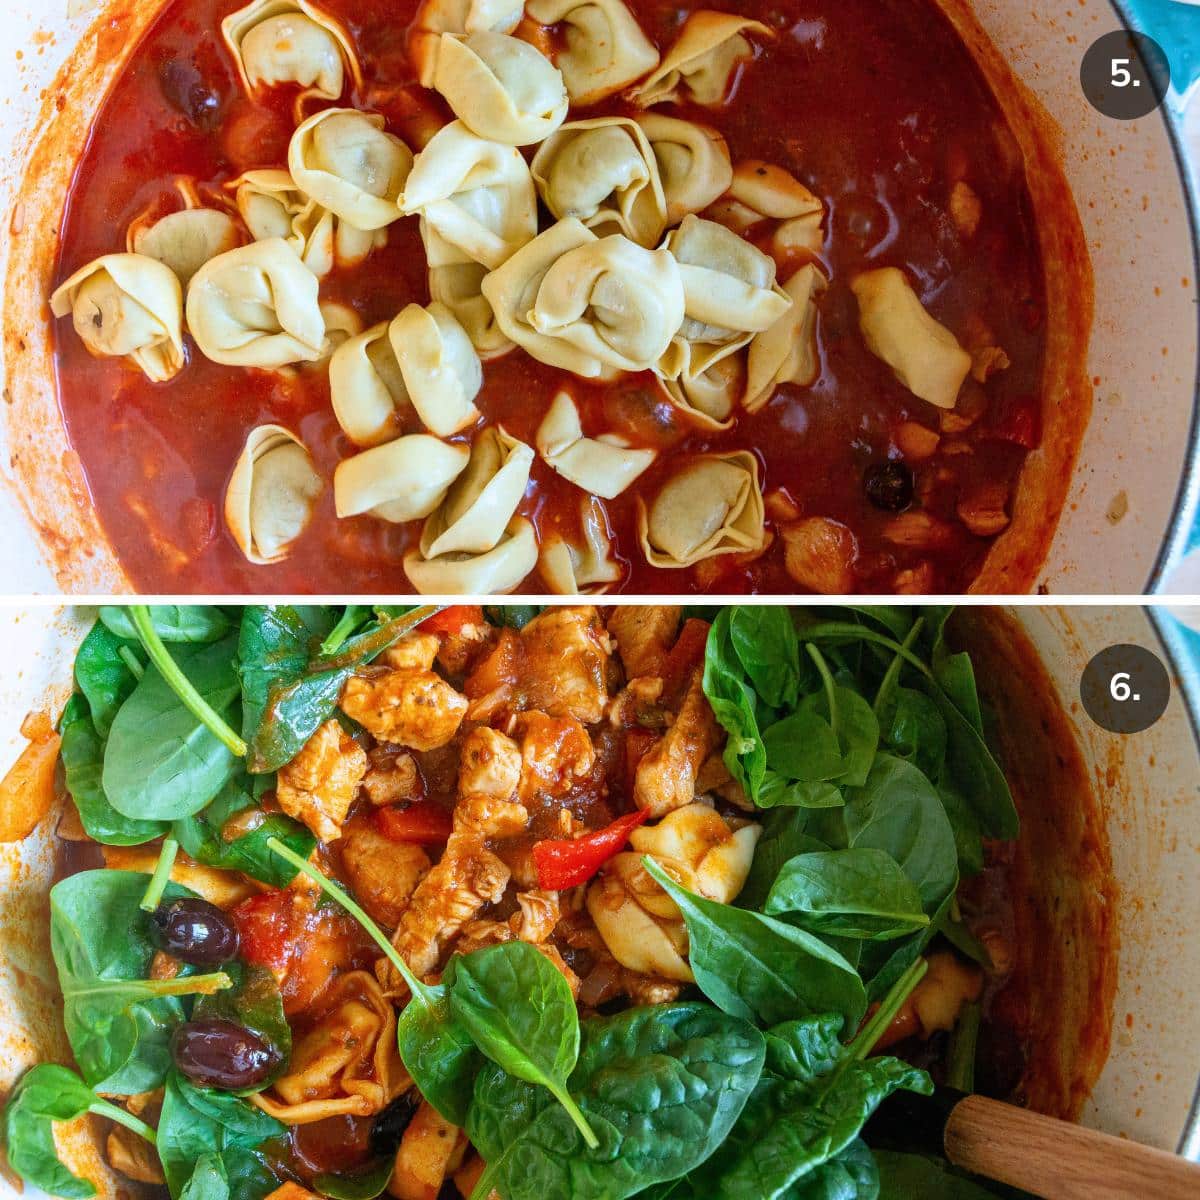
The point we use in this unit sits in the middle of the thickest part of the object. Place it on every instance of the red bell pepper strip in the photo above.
(686, 655)
(453, 619)
(571, 862)
(425, 823)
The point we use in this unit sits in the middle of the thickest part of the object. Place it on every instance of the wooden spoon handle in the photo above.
(1061, 1161)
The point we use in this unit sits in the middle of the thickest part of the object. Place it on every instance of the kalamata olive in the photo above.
(388, 1128)
(195, 932)
(220, 1054)
(187, 90)
(889, 485)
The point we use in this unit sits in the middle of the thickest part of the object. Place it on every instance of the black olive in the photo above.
(187, 90)
(889, 485)
(388, 1128)
(220, 1054)
(195, 932)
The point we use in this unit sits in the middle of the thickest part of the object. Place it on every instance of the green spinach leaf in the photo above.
(734, 705)
(362, 1185)
(903, 1176)
(104, 674)
(763, 637)
(784, 836)
(439, 1055)
(254, 1002)
(189, 623)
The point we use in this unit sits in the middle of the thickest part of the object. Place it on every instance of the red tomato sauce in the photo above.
(875, 105)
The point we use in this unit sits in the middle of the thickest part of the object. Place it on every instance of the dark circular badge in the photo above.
(1125, 75)
(1125, 689)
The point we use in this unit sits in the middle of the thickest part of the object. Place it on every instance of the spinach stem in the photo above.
(418, 989)
(960, 1070)
(483, 1186)
(892, 674)
(182, 985)
(179, 683)
(162, 875)
(827, 681)
(864, 1041)
(829, 631)
(132, 661)
(352, 618)
(561, 1094)
(115, 1113)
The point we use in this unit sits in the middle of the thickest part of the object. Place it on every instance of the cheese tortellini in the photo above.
(693, 163)
(367, 389)
(482, 500)
(603, 172)
(702, 61)
(441, 370)
(590, 305)
(709, 398)
(787, 352)
(476, 196)
(492, 573)
(923, 354)
(603, 466)
(730, 294)
(436, 17)
(290, 41)
(605, 46)
(584, 566)
(402, 480)
(257, 306)
(271, 493)
(500, 87)
(459, 286)
(127, 306)
(712, 506)
(186, 240)
(763, 191)
(348, 163)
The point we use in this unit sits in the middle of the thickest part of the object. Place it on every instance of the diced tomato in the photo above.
(637, 745)
(569, 863)
(453, 619)
(425, 823)
(264, 923)
(686, 655)
(1019, 425)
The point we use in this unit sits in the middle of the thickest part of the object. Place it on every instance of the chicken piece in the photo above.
(566, 664)
(417, 709)
(317, 787)
(666, 776)
(981, 510)
(431, 1150)
(415, 651)
(490, 764)
(966, 210)
(916, 442)
(935, 1003)
(986, 361)
(492, 686)
(556, 755)
(393, 778)
(468, 877)
(383, 874)
(714, 777)
(918, 529)
(491, 818)
(462, 648)
(292, 1191)
(819, 554)
(914, 581)
(130, 1154)
(645, 634)
(539, 915)
(638, 704)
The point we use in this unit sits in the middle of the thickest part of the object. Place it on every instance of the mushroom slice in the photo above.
(257, 306)
(500, 87)
(493, 573)
(603, 171)
(703, 60)
(436, 17)
(185, 240)
(400, 481)
(924, 355)
(605, 46)
(787, 352)
(441, 370)
(482, 500)
(730, 294)
(592, 306)
(290, 41)
(709, 398)
(603, 466)
(693, 163)
(345, 161)
(712, 506)
(476, 196)
(271, 493)
(367, 388)
(127, 305)
(584, 567)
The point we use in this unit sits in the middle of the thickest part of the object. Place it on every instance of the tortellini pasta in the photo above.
(592, 306)
(709, 398)
(440, 367)
(271, 493)
(436, 17)
(349, 164)
(476, 196)
(489, 574)
(699, 849)
(787, 352)
(186, 240)
(402, 480)
(459, 286)
(482, 500)
(127, 306)
(257, 306)
(346, 1064)
(603, 172)
(603, 466)
(702, 61)
(586, 566)
(605, 46)
(693, 163)
(762, 191)
(367, 389)
(730, 294)
(342, 323)
(924, 355)
(290, 41)
(500, 87)
(712, 506)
